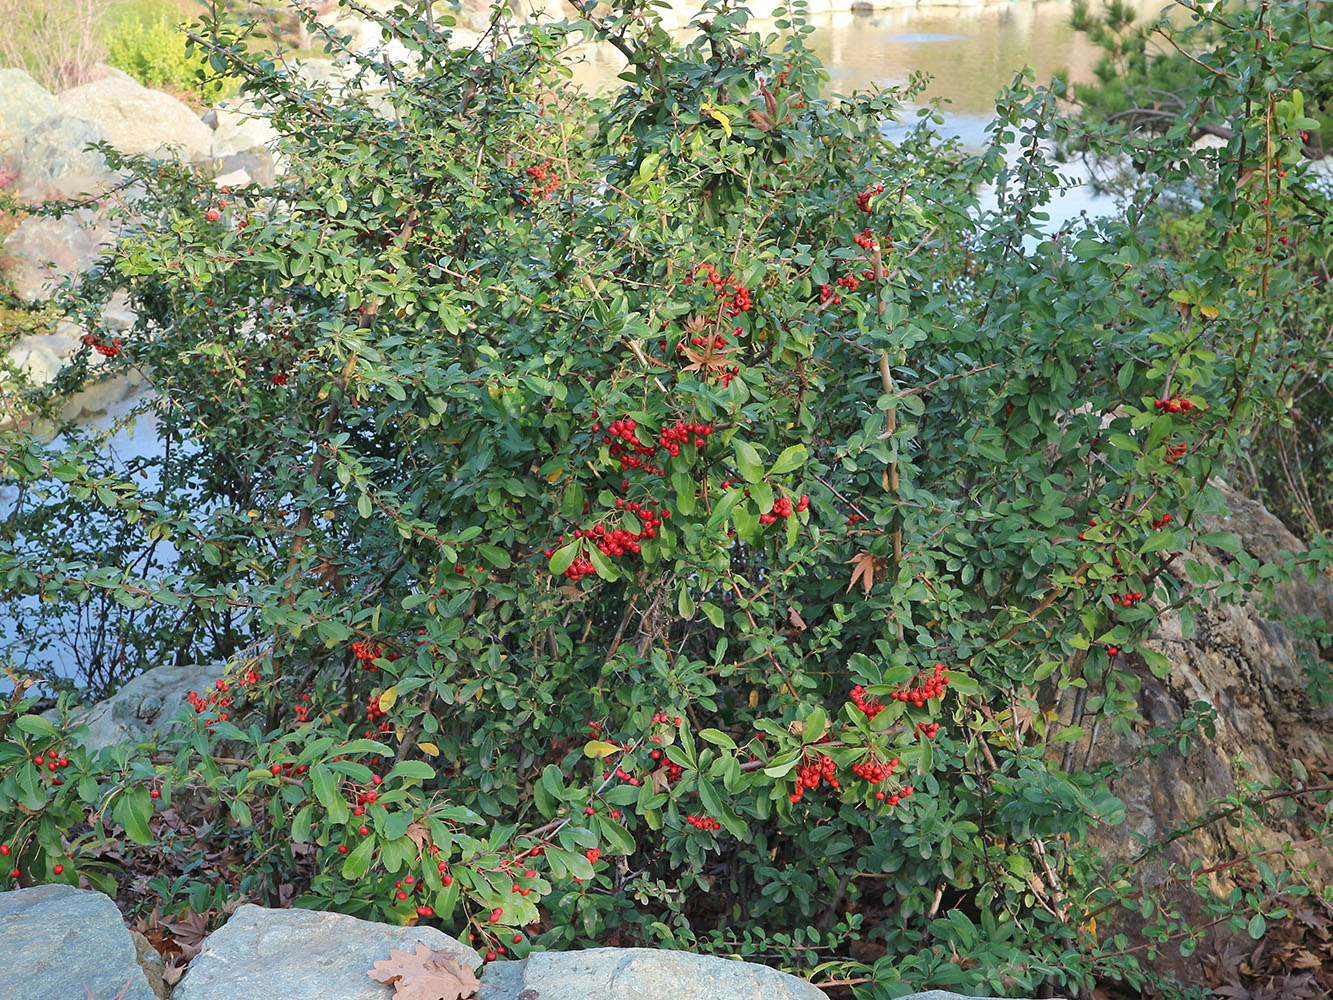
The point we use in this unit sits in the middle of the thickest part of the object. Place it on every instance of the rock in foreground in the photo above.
(62, 943)
(638, 974)
(262, 954)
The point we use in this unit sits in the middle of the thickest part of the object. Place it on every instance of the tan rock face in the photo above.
(139, 120)
(42, 251)
(1250, 669)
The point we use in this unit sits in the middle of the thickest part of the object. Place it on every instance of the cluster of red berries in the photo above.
(929, 730)
(1161, 522)
(1179, 405)
(870, 706)
(218, 700)
(549, 179)
(1128, 599)
(728, 288)
(864, 240)
(102, 347)
(54, 764)
(373, 712)
(679, 433)
(808, 776)
(932, 687)
(782, 507)
(1174, 452)
(863, 199)
(673, 771)
(873, 771)
(368, 652)
(703, 822)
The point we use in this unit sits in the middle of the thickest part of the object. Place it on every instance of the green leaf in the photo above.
(604, 569)
(717, 738)
(132, 811)
(1257, 926)
(791, 458)
(326, 791)
(563, 558)
(748, 462)
(358, 861)
(683, 484)
(300, 831)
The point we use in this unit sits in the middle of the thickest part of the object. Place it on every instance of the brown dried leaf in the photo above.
(708, 360)
(864, 567)
(425, 975)
(188, 932)
(419, 834)
(770, 102)
(659, 780)
(761, 121)
(794, 617)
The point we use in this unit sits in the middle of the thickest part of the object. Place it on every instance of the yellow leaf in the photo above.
(389, 698)
(555, 475)
(599, 748)
(429, 749)
(1208, 312)
(718, 117)
(754, 698)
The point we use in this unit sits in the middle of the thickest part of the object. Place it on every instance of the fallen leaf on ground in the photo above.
(425, 975)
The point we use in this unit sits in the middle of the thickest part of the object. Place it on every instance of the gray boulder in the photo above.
(62, 943)
(260, 954)
(242, 127)
(44, 250)
(146, 703)
(638, 974)
(259, 167)
(52, 158)
(139, 120)
(23, 103)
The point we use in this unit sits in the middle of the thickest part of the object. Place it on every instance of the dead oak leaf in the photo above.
(864, 567)
(425, 975)
(712, 358)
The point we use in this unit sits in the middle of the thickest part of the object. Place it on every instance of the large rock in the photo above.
(62, 943)
(1250, 668)
(260, 954)
(42, 251)
(52, 158)
(139, 120)
(23, 103)
(242, 127)
(638, 974)
(146, 703)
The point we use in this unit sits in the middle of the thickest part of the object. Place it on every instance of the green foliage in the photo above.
(1146, 78)
(146, 42)
(562, 480)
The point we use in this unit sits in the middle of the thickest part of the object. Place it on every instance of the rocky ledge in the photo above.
(58, 942)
